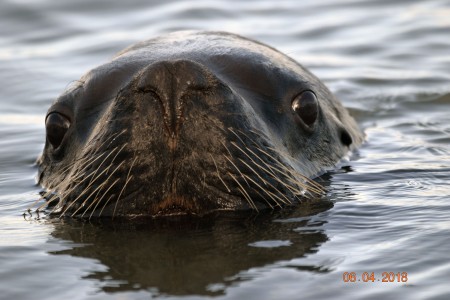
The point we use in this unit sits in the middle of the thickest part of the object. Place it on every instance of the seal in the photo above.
(191, 123)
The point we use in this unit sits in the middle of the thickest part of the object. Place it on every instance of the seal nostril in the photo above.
(56, 126)
(346, 139)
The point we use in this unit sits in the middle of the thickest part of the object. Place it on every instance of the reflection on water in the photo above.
(200, 256)
(388, 61)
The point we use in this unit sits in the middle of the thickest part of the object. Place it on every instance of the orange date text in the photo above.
(372, 277)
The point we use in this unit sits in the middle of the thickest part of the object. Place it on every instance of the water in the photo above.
(388, 61)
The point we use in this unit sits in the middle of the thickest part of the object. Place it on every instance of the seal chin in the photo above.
(176, 205)
(219, 122)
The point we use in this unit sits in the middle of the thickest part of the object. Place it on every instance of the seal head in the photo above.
(190, 123)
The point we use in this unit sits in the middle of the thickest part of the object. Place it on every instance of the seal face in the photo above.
(190, 123)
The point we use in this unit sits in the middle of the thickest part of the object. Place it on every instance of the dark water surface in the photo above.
(388, 61)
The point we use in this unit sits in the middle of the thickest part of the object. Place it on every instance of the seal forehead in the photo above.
(242, 63)
(207, 47)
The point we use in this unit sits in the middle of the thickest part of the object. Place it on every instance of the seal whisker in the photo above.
(89, 161)
(80, 195)
(268, 184)
(319, 188)
(124, 145)
(245, 177)
(52, 190)
(98, 189)
(274, 197)
(309, 186)
(81, 173)
(112, 138)
(244, 192)
(95, 190)
(293, 178)
(283, 154)
(316, 188)
(218, 174)
(237, 135)
(98, 201)
(123, 189)
(269, 170)
(233, 164)
(94, 150)
(106, 203)
(125, 185)
(295, 183)
(93, 180)
(51, 200)
(72, 185)
(84, 161)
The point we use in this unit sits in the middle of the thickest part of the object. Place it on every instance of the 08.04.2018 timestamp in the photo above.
(370, 277)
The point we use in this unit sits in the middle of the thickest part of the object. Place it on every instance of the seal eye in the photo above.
(306, 107)
(56, 125)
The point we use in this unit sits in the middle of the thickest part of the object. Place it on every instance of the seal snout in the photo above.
(171, 83)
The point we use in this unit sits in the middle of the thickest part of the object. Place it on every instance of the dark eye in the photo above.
(306, 107)
(56, 125)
